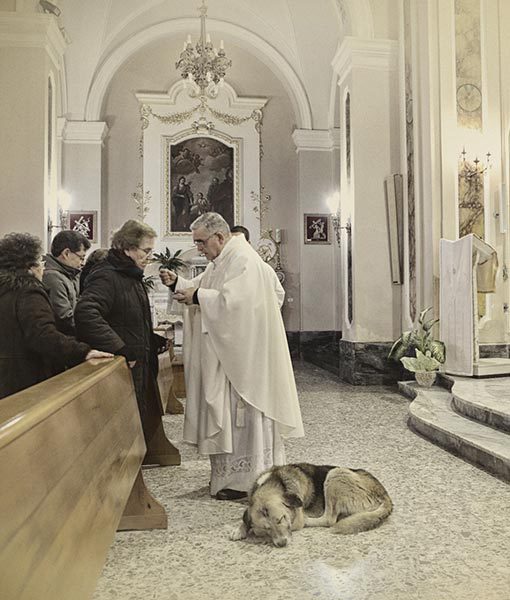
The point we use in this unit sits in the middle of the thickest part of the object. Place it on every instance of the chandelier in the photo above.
(203, 66)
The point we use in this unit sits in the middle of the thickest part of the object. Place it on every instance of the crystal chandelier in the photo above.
(203, 66)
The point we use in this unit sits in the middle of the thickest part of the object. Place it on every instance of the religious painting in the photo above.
(201, 173)
(317, 229)
(85, 222)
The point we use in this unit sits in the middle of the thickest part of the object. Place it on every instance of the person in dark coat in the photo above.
(92, 259)
(31, 347)
(62, 275)
(113, 313)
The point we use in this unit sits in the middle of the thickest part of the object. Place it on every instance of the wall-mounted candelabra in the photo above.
(473, 171)
(337, 226)
(64, 202)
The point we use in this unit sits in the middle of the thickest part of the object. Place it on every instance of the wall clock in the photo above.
(469, 97)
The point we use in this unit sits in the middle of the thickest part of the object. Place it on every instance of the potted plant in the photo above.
(429, 353)
(167, 261)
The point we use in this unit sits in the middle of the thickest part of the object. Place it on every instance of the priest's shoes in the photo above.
(228, 494)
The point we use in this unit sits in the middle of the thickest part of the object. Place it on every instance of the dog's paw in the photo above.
(237, 533)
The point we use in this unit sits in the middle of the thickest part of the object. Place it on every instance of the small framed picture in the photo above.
(85, 222)
(317, 229)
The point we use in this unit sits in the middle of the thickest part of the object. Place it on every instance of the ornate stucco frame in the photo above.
(174, 116)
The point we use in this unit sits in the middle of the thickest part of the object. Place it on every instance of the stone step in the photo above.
(484, 400)
(432, 415)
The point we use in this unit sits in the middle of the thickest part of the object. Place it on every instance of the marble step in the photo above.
(484, 400)
(431, 414)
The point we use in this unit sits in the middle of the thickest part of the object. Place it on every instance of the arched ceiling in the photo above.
(298, 37)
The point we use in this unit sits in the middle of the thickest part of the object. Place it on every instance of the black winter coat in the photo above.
(31, 347)
(113, 314)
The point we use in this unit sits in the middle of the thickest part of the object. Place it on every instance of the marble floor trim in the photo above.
(448, 537)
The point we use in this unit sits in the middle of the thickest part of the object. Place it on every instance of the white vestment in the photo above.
(240, 388)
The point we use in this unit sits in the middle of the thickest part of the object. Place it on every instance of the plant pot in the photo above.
(425, 378)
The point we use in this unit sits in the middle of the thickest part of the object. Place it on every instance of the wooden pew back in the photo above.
(70, 450)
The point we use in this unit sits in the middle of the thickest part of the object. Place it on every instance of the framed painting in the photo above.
(317, 229)
(85, 222)
(201, 177)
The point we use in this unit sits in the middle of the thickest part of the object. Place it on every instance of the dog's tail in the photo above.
(363, 521)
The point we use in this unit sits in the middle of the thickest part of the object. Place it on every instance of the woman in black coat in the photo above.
(31, 347)
(113, 313)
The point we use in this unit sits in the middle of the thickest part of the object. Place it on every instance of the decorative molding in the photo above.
(27, 30)
(316, 140)
(378, 55)
(235, 102)
(84, 132)
(248, 40)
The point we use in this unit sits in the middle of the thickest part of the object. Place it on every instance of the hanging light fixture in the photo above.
(203, 65)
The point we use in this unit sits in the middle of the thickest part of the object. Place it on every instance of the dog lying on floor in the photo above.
(353, 501)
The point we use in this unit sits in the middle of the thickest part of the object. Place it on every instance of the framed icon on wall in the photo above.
(85, 222)
(317, 229)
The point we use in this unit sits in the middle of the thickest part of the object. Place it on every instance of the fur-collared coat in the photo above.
(31, 347)
(113, 314)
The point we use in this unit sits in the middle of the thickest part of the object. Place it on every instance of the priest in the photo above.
(241, 394)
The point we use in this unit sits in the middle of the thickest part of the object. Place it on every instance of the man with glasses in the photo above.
(240, 388)
(62, 276)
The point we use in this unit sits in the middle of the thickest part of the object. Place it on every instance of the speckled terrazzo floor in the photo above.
(447, 539)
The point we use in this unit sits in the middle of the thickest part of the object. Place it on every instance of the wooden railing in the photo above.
(70, 453)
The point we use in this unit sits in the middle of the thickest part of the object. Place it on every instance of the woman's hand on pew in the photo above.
(98, 354)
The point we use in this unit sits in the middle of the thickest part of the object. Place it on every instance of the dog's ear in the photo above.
(292, 501)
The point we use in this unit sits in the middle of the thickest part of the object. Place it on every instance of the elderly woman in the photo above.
(113, 312)
(31, 347)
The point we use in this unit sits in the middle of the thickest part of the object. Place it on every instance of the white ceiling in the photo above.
(304, 34)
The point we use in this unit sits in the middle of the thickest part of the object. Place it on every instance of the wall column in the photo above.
(82, 168)
(31, 50)
(317, 152)
(370, 152)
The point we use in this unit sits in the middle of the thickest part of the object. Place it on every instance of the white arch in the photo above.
(256, 45)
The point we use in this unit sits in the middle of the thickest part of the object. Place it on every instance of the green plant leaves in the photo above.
(167, 261)
(422, 362)
(420, 339)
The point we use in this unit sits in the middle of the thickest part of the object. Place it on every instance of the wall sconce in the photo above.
(64, 203)
(333, 202)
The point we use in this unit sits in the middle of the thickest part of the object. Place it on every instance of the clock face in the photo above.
(469, 97)
(266, 249)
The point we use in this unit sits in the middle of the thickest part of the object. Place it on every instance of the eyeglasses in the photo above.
(80, 256)
(203, 242)
(146, 251)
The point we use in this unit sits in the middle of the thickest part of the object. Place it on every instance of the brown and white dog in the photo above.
(353, 500)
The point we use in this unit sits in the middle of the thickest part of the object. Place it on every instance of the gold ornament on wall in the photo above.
(142, 201)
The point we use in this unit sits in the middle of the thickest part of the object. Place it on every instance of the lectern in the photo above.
(463, 265)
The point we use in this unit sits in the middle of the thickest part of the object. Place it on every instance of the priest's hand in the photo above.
(185, 296)
(167, 277)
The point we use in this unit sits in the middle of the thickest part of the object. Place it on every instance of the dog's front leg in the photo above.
(238, 533)
(241, 532)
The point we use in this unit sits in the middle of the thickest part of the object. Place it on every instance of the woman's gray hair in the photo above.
(131, 234)
(213, 222)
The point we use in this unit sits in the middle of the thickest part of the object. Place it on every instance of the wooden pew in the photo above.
(70, 451)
